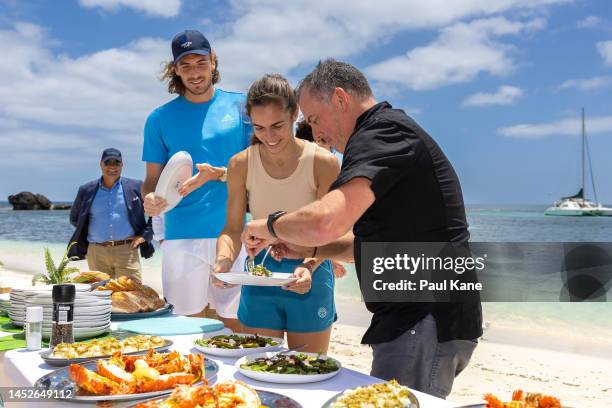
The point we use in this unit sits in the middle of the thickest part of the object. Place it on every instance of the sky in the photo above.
(499, 84)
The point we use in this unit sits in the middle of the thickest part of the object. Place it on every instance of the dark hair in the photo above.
(304, 131)
(329, 74)
(175, 83)
(271, 88)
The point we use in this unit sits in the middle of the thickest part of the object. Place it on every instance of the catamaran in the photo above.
(578, 205)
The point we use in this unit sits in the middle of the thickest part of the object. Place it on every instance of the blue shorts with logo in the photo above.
(278, 309)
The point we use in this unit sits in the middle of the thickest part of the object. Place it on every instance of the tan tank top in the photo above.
(267, 195)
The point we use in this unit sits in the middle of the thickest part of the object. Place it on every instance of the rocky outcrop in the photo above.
(43, 202)
(29, 201)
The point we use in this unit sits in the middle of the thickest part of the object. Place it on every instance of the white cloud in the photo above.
(605, 49)
(459, 54)
(299, 33)
(589, 22)
(505, 95)
(112, 89)
(588, 84)
(161, 8)
(562, 127)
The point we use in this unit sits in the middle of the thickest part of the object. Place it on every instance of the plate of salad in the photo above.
(237, 344)
(259, 276)
(288, 368)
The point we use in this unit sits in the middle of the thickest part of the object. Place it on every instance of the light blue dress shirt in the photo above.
(108, 216)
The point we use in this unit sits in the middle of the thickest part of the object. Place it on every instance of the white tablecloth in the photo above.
(23, 368)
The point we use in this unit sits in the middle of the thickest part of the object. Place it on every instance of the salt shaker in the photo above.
(63, 315)
(33, 327)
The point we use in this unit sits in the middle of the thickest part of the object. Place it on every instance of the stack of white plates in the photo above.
(92, 310)
(5, 303)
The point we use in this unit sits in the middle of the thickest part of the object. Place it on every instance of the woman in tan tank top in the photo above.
(279, 172)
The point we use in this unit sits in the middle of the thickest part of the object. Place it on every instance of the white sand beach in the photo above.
(576, 369)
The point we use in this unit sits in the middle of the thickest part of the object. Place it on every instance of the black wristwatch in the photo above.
(272, 218)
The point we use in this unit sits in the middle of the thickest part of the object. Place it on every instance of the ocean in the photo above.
(24, 234)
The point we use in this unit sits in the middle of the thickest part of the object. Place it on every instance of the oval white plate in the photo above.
(283, 378)
(244, 278)
(178, 169)
(221, 352)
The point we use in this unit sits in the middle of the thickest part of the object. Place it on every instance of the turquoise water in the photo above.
(24, 234)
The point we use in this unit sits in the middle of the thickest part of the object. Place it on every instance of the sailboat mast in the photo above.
(583, 152)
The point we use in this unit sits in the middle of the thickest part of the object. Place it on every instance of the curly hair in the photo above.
(175, 83)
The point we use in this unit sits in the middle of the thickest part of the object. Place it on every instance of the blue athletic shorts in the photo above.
(278, 309)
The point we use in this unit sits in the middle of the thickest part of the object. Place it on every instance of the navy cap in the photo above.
(111, 153)
(189, 42)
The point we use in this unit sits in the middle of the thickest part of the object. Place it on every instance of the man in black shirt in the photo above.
(395, 185)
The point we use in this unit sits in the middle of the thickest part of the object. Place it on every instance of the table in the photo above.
(23, 368)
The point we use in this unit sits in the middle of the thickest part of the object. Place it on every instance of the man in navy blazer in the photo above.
(110, 221)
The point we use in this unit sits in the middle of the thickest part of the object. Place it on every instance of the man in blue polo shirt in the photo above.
(209, 124)
(110, 222)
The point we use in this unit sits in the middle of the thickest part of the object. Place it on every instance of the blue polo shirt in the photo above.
(108, 216)
(211, 132)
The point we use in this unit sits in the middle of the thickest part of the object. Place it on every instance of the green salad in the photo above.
(292, 364)
(260, 270)
(234, 341)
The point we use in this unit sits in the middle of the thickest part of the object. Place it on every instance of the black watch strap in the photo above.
(272, 218)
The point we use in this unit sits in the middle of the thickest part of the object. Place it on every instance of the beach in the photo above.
(534, 356)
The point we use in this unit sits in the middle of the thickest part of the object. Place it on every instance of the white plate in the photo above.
(283, 378)
(81, 311)
(244, 278)
(221, 352)
(79, 318)
(83, 324)
(81, 333)
(79, 287)
(178, 169)
(96, 295)
(89, 302)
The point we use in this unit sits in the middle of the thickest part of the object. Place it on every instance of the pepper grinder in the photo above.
(63, 315)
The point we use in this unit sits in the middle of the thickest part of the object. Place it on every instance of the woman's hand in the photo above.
(222, 265)
(304, 282)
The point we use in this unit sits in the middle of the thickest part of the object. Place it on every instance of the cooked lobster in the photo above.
(137, 374)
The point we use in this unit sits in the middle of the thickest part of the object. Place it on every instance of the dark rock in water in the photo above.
(61, 207)
(43, 202)
(28, 201)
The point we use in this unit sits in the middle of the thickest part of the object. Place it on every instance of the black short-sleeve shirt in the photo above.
(417, 199)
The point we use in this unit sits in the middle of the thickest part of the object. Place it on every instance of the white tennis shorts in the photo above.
(186, 281)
